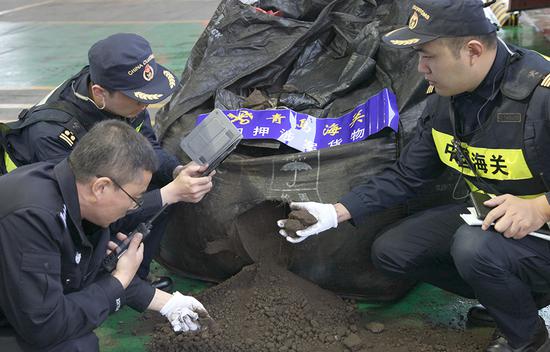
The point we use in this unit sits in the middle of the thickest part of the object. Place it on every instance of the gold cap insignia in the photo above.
(546, 81)
(170, 77)
(413, 22)
(145, 96)
(404, 42)
(68, 138)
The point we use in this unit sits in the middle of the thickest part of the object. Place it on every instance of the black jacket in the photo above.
(52, 287)
(42, 139)
(419, 162)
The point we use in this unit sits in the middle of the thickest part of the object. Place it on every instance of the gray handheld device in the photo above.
(211, 141)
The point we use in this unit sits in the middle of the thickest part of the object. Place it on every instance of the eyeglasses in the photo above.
(137, 202)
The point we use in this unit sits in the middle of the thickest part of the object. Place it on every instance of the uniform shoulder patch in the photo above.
(546, 81)
(430, 89)
(68, 138)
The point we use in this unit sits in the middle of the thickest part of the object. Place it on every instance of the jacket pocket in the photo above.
(40, 275)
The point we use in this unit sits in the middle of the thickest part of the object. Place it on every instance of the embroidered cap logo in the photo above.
(148, 73)
(413, 22)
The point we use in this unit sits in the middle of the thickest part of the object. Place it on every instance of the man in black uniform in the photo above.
(122, 79)
(490, 122)
(54, 233)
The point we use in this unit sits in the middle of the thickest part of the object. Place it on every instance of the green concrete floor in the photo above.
(126, 332)
(43, 42)
(527, 37)
(37, 67)
(38, 63)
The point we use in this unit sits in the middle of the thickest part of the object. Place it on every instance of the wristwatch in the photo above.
(177, 171)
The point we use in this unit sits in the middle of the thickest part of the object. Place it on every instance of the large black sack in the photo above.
(323, 58)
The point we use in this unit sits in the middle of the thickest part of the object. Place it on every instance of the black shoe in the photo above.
(163, 283)
(539, 343)
(478, 315)
(497, 339)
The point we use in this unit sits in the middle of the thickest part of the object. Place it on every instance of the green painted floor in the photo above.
(126, 330)
(38, 63)
(527, 37)
(44, 42)
(38, 66)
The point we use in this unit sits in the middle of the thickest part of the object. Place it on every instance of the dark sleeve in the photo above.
(167, 161)
(139, 294)
(417, 165)
(42, 142)
(31, 292)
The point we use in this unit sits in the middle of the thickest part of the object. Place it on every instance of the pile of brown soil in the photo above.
(266, 308)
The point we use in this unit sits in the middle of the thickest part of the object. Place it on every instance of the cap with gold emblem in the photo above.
(432, 19)
(125, 62)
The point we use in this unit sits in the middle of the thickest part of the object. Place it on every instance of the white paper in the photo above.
(472, 220)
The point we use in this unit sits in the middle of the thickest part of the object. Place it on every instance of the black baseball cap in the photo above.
(124, 62)
(432, 19)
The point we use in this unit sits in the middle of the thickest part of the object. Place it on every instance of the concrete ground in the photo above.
(43, 42)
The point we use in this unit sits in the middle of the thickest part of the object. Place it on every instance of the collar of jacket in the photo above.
(67, 185)
(81, 84)
(493, 79)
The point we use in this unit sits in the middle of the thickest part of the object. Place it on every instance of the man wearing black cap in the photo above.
(122, 79)
(489, 121)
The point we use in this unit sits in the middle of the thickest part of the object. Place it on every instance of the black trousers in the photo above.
(151, 244)
(505, 275)
(11, 342)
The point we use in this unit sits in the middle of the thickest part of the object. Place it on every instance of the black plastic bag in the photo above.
(323, 59)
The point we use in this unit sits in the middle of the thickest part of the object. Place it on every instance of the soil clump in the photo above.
(298, 220)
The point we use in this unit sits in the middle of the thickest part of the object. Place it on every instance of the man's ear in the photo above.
(98, 91)
(100, 187)
(474, 49)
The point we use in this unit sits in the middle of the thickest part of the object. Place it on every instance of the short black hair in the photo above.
(457, 43)
(112, 148)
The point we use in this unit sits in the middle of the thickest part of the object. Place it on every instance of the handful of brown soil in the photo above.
(298, 220)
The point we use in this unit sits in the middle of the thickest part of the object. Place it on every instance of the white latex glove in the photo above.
(182, 312)
(324, 213)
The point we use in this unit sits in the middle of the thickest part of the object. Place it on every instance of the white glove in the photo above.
(324, 213)
(182, 312)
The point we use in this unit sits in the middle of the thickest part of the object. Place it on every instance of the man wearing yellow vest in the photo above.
(121, 80)
(488, 119)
